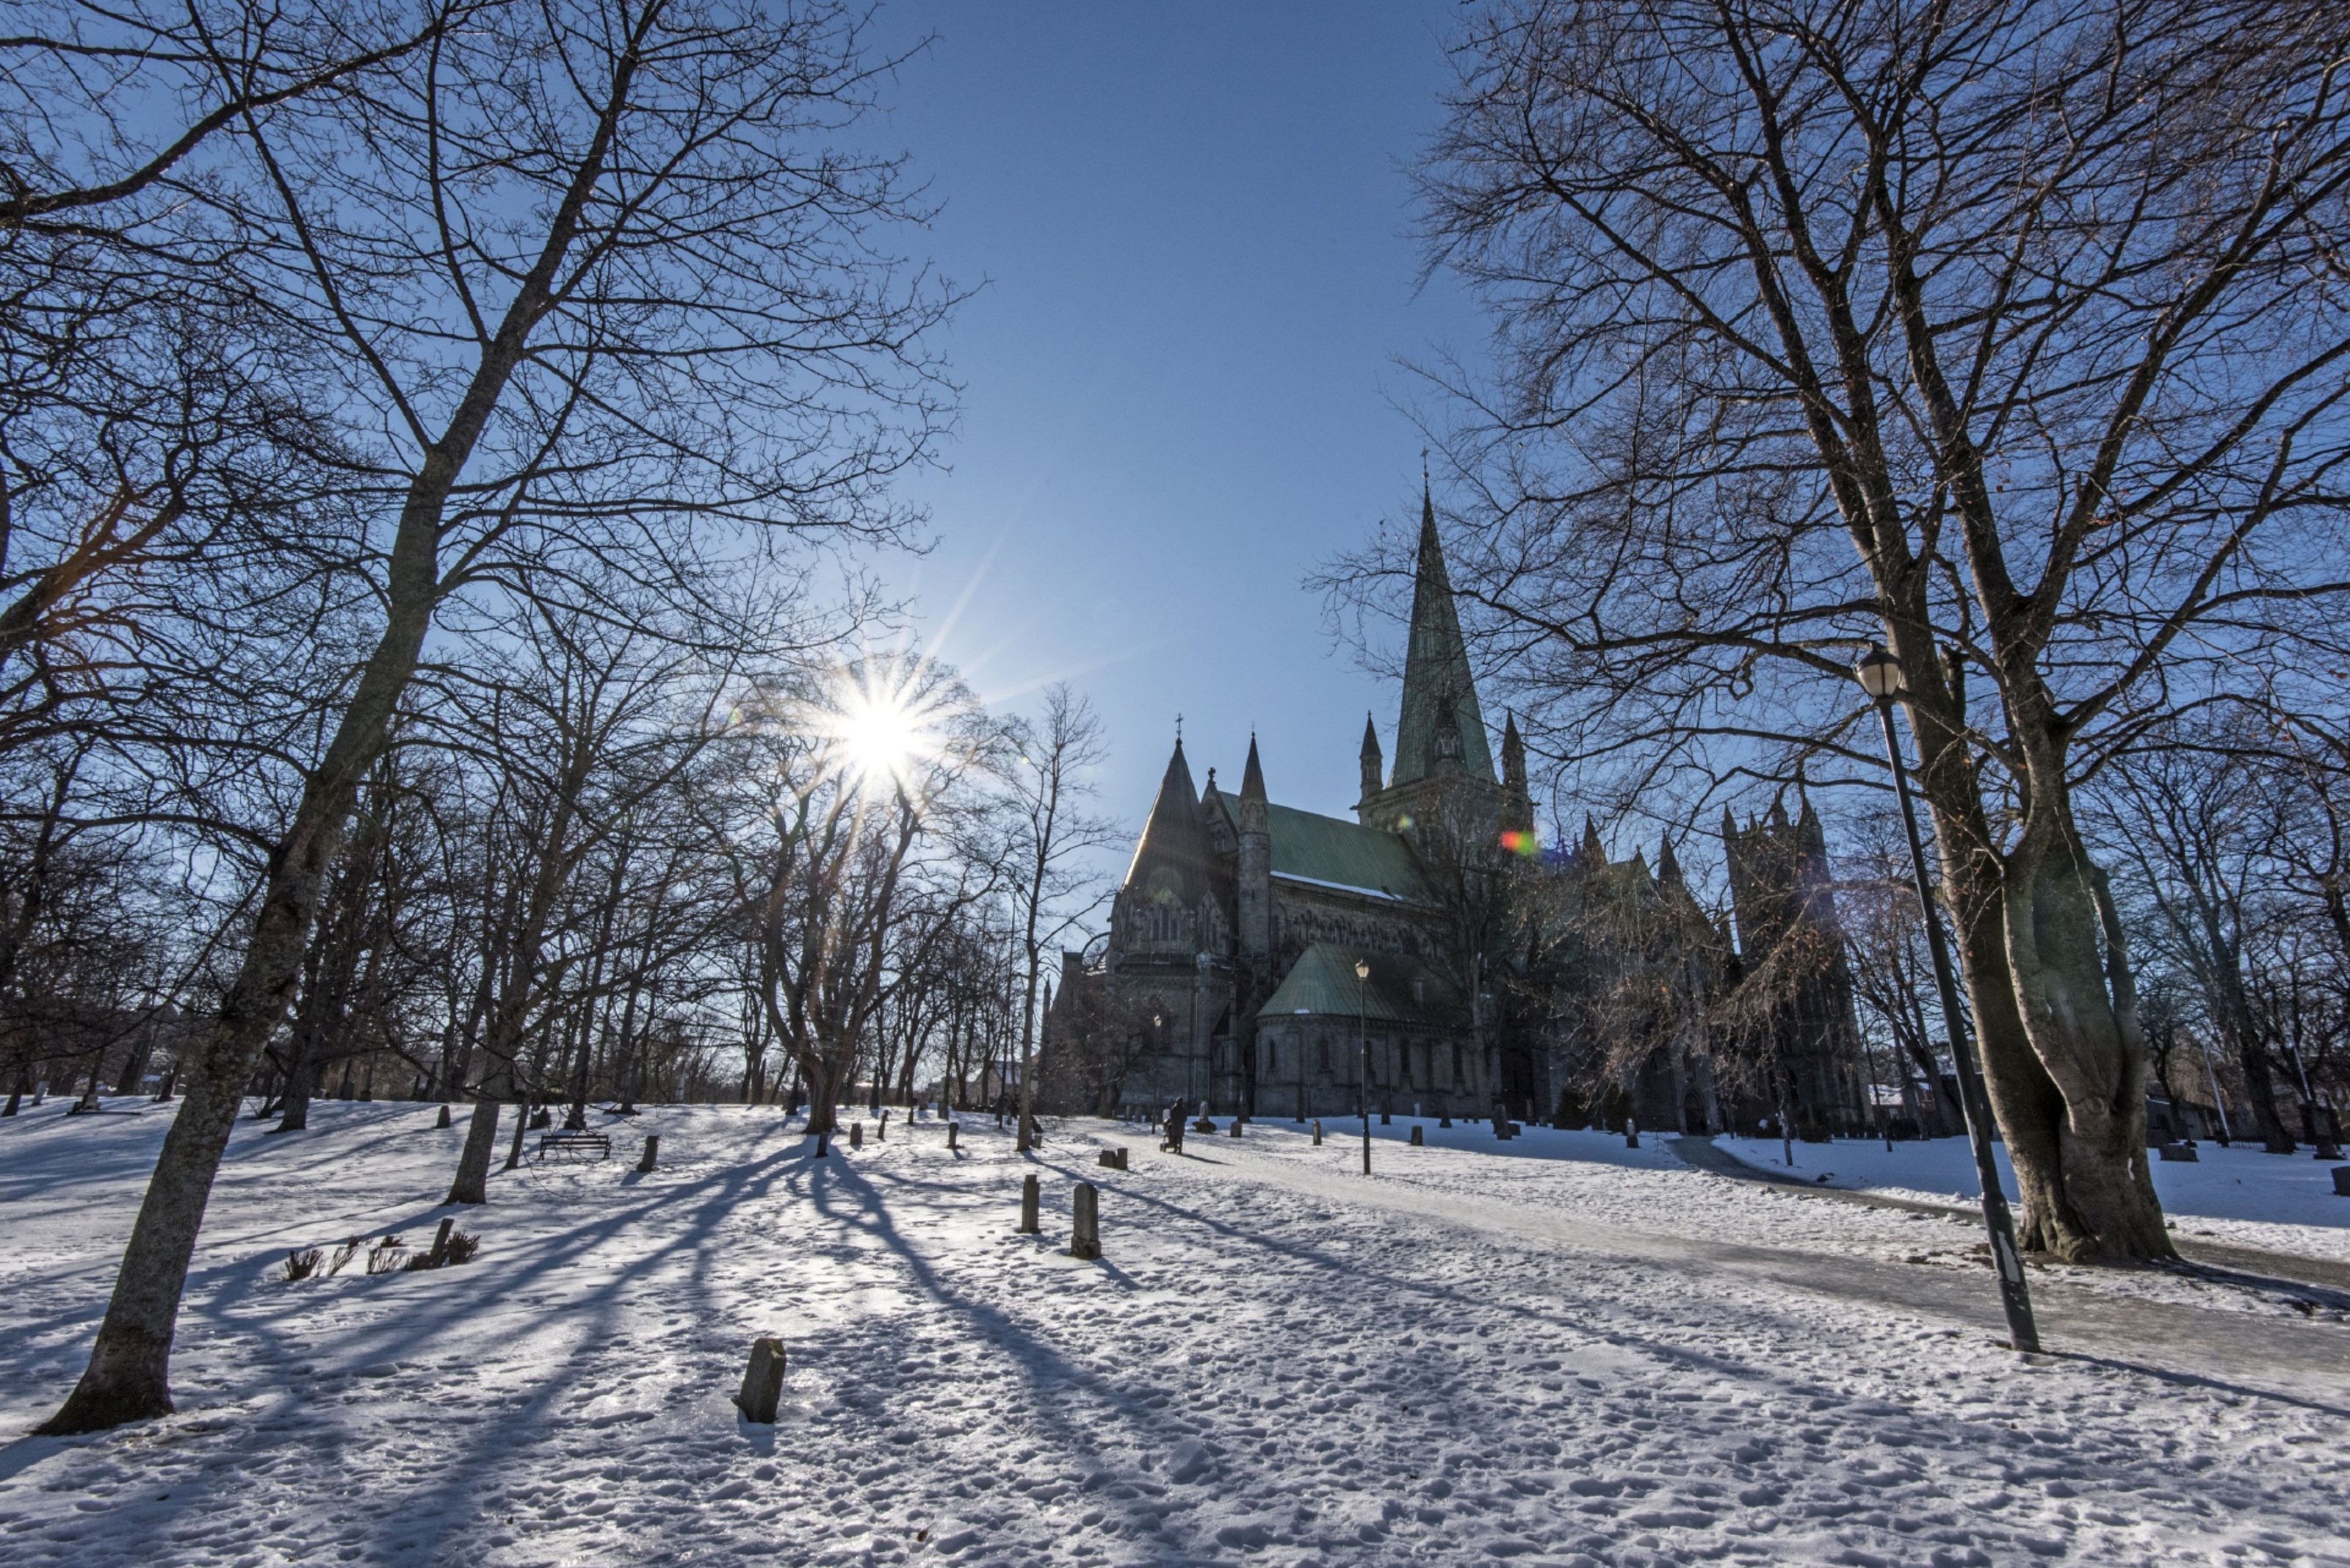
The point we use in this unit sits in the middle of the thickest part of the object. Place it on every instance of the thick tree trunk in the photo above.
(129, 1375)
(300, 1079)
(2260, 1087)
(472, 1182)
(2078, 1012)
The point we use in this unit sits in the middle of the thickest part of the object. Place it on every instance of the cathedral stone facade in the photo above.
(1267, 960)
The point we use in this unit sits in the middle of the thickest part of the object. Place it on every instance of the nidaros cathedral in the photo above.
(1502, 978)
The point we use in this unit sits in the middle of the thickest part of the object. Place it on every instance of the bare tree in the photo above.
(599, 289)
(1051, 847)
(1995, 328)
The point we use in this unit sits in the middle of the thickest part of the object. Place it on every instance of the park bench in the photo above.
(570, 1143)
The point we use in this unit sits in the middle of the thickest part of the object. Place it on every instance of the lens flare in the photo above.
(882, 730)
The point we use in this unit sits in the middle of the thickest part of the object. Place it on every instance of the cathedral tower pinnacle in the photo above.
(1374, 772)
(1254, 885)
(1517, 802)
(1440, 692)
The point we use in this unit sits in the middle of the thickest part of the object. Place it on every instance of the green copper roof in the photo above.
(1331, 853)
(1435, 670)
(1399, 990)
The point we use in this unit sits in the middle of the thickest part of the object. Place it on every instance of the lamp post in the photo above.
(1363, 1079)
(1879, 674)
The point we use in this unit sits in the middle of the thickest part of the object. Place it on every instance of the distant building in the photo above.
(1499, 978)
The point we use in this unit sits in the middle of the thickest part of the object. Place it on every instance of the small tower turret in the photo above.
(1255, 868)
(1517, 803)
(1374, 770)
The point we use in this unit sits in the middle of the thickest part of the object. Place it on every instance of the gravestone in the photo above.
(953, 1130)
(1236, 1127)
(1384, 1120)
(1444, 1121)
(1113, 1158)
(1084, 1221)
(763, 1382)
(1416, 1140)
(856, 1134)
(2342, 1181)
(2181, 1150)
(652, 1153)
(440, 1252)
(1029, 1196)
(881, 1134)
(443, 1119)
(1317, 1132)
(1631, 1132)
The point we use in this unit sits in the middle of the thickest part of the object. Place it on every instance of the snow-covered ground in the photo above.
(2238, 1194)
(1554, 1350)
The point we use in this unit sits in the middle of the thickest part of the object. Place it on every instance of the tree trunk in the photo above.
(129, 1375)
(2079, 1013)
(472, 1182)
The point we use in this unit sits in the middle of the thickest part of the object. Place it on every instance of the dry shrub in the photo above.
(343, 1254)
(301, 1263)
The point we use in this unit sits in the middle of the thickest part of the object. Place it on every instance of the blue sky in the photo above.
(1180, 386)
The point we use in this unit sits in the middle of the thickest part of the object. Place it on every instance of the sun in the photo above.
(882, 731)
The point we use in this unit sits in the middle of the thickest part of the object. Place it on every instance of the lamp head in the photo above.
(1879, 674)
(1362, 968)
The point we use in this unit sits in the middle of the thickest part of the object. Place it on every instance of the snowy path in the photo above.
(1552, 1353)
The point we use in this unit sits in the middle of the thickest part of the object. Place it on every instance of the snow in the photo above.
(1551, 1350)
(2238, 1194)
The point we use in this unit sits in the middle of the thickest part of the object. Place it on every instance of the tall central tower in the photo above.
(1443, 778)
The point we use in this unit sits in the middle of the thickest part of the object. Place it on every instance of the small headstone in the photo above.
(652, 1153)
(953, 1130)
(442, 1120)
(2181, 1150)
(1317, 1132)
(1444, 1121)
(1385, 1120)
(2342, 1181)
(1029, 1197)
(763, 1382)
(1417, 1139)
(881, 1132)
(1113, 1158)
(1203, 1126)
(856, 1134)
(1631, 1132)
(440, 1252)
(1236, 1127)
(1084, 1221)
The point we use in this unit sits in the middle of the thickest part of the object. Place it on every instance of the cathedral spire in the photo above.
(1172, 861)
(1436, 673)
(1252, 780)
(1372, 764)
(1594, 852)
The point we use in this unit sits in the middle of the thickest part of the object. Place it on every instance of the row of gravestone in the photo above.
(763, 1378)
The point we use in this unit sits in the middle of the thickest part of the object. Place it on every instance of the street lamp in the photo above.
(1879, 674)
(1363, 1079)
